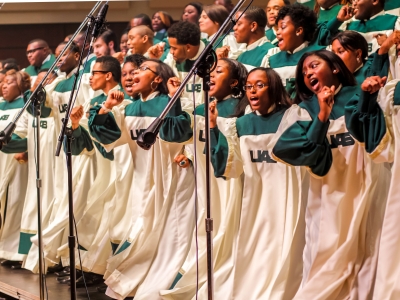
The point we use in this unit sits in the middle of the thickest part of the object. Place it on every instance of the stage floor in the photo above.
(22, 284)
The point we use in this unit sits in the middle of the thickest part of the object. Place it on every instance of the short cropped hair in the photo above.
(111, 64)
(185, 33)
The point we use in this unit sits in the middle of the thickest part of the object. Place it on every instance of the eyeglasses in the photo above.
(33, 50)
(257, 86)
(99, 71)
(144, 68)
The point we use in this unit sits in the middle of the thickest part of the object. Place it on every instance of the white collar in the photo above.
(257, 43)
(149, 97)
(358, 68)
(71, 73)
(46, 59)
(329, 8)
(301, 47)
(201, 48)
(338, 89)
(271, 108)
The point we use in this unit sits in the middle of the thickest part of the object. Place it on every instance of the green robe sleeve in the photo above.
(103, 127)
(365, 120)
(219, 151)
(305, 144)
(177, 125)
(16, 145)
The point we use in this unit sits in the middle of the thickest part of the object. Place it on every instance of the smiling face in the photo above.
(258, 96)
(221, 82)
(272, 11)
(10, 88)
(190, 14)
(363, 9)
(317, 74)
(136, 42)
(351, 58)
(288, 35)
(207, 25)
(128, 72)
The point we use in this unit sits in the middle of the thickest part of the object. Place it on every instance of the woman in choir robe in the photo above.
(297, 34)
(373, 120)
(347, 190)
(211, 19)
(271, 231)
(13, 170)
(352, 48)
(226, 86)
(160, 22)
(158, 240)
(272, 10)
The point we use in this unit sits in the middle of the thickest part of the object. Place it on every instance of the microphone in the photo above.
(99, 22)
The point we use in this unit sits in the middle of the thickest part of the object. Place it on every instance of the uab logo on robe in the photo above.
(260, 156)
(62, 108)
(190, 87)
(4, 117)
(43, 124)
(137, 132)
(341, 139)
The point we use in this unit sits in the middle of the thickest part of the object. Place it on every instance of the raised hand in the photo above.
(114, 98)
(21, 157)
(156, 51)
(373, 84)
(173, 84)
(76, 116)
(325, 101)
(213, 114)
(222, 52)
(182, 161)
(386, 42)
(345, 13)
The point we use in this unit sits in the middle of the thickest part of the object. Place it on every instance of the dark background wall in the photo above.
(15, 38)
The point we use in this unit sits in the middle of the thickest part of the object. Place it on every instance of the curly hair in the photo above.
(185, 33)
(239, 72)
(22, 78)
(301, 16)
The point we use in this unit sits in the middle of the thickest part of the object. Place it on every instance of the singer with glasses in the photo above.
(158, 240)
(271, 228)
(39, 57)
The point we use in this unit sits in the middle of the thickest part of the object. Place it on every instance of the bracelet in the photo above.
(106, 110)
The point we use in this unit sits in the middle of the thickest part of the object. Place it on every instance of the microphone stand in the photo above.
(36, 99)
(66, 136)
(202, 67)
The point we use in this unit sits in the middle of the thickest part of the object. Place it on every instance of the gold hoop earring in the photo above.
(151, 85)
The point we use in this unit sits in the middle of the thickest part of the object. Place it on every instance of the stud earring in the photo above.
(358, 59)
